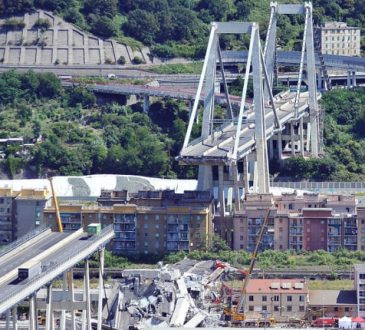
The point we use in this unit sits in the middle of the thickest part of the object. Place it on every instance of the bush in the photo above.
(121, 60)
(13, 24)
(137, 60)
(42, 24)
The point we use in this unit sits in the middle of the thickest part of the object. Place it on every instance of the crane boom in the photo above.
(252, 263)
(55, 202)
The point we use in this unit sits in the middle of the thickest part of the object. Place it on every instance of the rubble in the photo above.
(180, 295)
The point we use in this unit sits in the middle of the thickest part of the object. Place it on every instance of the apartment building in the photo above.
(146, 222)
(337, 38)
(20, 212)
(300, 222)
(360, 288)
(281, 299)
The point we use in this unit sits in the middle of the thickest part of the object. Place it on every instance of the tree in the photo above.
(103, 27)
(142, 25)
(81, 95)
(102, 8)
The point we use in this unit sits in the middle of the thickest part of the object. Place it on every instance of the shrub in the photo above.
(42, 24)
(13, 24)
(121, 60)
(137, 60)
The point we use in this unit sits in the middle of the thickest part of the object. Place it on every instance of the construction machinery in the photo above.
(236, 314)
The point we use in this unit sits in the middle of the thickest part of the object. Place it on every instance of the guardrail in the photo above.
(35, 232)
(54, 271)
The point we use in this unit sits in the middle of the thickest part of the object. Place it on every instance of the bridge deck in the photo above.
(218, 147)
(65, 250)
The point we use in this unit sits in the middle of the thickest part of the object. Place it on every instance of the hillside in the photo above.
(179, 27)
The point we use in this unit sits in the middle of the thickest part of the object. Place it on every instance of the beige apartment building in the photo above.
(339, 39)
(284, 300)
(308, 222)
(149, 222)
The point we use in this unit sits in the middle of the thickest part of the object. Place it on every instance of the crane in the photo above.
(57, 209)
(235, 313)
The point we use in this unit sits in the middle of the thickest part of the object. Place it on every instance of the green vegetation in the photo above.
(344, 141)
(270, 259)
(180, 27)
(13, 24)
(331, 285)
(183, 68)
(75, 136)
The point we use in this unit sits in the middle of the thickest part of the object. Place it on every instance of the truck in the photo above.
(29, 269)
(324, 322)
(93, 229)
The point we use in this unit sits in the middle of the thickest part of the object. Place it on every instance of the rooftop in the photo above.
(332, 297)
(277, 286)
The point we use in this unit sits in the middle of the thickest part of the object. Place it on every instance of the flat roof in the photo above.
(332, 297)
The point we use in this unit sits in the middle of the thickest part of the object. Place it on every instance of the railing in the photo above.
(56, 266)
(23, 239)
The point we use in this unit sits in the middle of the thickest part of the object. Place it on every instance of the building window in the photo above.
(264, 298)
(145, 234)
(264, 308)
(362, 276)
(275, 298)
(276, 308)
(289, 308)
(157, 217)
(301, 308)
(289, 298)
(145, 225)
(250, 298)
(241, 238)
(347, 309)
(301, 298)
(250, 308)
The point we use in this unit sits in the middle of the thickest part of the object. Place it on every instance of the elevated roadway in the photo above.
(293, 58)
(57, 253)
(218, 147)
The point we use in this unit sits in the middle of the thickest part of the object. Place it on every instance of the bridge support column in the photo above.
(271, 149)
(7, 326)
(222, 201)
(237, 197)
(146, 103)
(292, 140)
(87, 293)
(33, 312)
(319, 79)
(205, 178)
(14, 312)
(301, 136)
(354, 78)
(49, 312)
(101, 286)
(64, 297)
(246, 182)
(280, 147)
(349, 74)
(72, 299)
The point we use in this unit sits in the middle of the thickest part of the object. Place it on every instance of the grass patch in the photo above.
(331, 285)
(177, 68)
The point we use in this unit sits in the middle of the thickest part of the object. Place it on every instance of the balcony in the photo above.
(124, 218)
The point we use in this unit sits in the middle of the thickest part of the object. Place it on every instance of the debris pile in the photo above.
(181, 295)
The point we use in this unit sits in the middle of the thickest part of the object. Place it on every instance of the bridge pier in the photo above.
(280, 147)
(87, 294)
(49, 312)
(301, 136)
(292, 139)
(72, 297)
(221, 197)
(320, 79)
(32, 312)
(354, 78)
(246, 182)
(101, 286)
(349, 74)
(7, 324)
(14, 312)
(146, 103)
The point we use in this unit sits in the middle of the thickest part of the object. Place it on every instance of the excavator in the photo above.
(234, 313)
